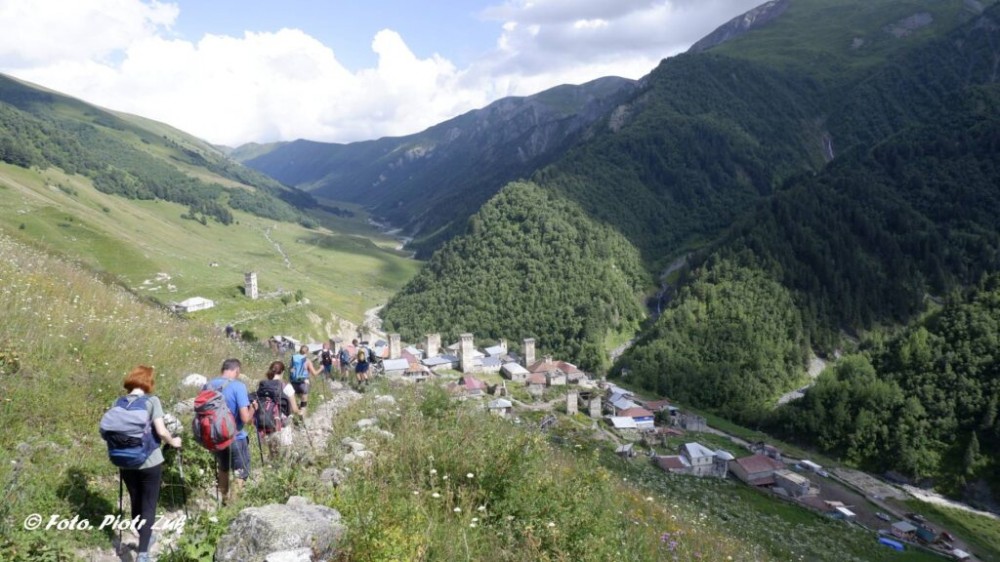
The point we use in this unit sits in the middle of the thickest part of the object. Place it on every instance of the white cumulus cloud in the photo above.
(284, 84)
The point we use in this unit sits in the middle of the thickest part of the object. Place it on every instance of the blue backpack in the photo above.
(127, 428)
(298, 373)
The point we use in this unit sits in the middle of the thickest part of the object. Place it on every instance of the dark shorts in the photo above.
(236, 458)
(328, 368)
(361, 368)
(301, 387)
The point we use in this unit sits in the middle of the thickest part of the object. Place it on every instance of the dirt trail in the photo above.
(277, 246)
(816, 366)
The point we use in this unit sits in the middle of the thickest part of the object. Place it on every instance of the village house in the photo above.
(627, 450)
(417, 372)
(489, 365)
(620, 402)
(514, 372)
(536, 383)
(674, 464)
(643, 417)
(756, 470)
(703, 460)
(792, 484)
(559, 373)
(395, 367)
(690, 422)
(499, 350)
(625, 427)
(193, 304)
(441, 363)
(656, 405)
(468, 386)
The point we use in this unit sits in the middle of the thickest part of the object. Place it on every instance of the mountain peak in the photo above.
(755, 18)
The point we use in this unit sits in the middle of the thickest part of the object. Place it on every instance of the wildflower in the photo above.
(416, 492)
(434, 471)
(470, 475)
(475, 519)
(510, 518)
(481, 508)
(435, 495)
(457, 510)
(473, 525)
(649, 498)
(445, 477)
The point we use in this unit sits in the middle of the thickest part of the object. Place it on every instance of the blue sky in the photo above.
(236, 71)
(453, 28)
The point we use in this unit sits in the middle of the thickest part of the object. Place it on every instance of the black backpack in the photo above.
(268, 417)
(326, 357)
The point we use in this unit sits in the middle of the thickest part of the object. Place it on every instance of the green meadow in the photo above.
(309, 279)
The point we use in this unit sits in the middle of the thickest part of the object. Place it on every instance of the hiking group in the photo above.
(134, 427)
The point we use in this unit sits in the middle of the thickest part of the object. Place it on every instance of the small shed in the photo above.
(903, 529)
(193, 304)
(500, 407)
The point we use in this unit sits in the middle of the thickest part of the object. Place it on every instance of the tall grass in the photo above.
(74, 338)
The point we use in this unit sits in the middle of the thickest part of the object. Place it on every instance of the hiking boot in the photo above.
(143, 557)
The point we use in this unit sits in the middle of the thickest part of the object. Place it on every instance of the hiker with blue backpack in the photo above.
(298, 375)
(221, 409)
(133, 429)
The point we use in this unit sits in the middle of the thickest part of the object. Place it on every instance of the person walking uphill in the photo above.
(142, 480)
(301, 368)
(234, 459)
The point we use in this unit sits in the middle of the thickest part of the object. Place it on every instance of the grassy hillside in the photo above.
(500, 492)
(133, 241)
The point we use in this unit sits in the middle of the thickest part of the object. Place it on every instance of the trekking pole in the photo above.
(180, 472)
(121, 508)
(260, 447)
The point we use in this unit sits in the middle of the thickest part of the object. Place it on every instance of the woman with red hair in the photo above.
(143, 482)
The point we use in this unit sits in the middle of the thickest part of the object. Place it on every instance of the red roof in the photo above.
(549, 366)
(536, 378)
(636, 413)
(657, 405)
(672, 462)
(472, 383)
(759, 463)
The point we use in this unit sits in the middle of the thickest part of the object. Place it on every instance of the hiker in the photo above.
(301, 368)
(326, 360)
(361, 367)
(234, 459)
(143, 482)
(344, 358)
(276, 404)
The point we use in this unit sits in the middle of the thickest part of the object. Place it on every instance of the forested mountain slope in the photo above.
(429, 183)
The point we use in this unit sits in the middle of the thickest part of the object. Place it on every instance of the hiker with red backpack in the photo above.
(221, 410)
(276, 402)
(133, 429)
(299, 373)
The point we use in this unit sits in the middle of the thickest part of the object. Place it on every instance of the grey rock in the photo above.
(297, 555)
(367, 422)
(332, 476)
(259, 532)
(386, 400)
(194, 381)
(184, 407)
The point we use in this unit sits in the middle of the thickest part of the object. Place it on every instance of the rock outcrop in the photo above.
(754, 19)
(297, 530)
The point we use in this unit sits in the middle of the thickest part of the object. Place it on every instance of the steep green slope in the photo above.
(530, 265)
(923, 403)
(729, 341)
(429, 183)
(133, 157)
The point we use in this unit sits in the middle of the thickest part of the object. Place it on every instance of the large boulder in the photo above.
(194, 381)
(284, 531)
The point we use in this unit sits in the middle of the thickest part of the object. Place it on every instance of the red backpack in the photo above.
(214, 426)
